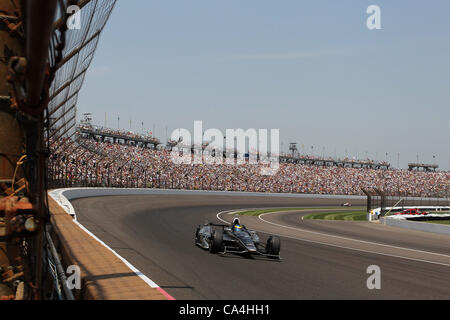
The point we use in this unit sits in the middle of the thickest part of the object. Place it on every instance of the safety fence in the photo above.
(76, 33)
(72, 50)
(48, 47)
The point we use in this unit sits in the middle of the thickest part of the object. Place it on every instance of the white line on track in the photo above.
(351, 239)
(343, 247)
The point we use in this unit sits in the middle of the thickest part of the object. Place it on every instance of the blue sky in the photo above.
(309, 68)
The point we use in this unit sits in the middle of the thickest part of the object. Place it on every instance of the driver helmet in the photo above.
(236, 224)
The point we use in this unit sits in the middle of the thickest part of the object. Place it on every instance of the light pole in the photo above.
(293, 148)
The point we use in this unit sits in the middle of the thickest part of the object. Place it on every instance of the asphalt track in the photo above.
(321, 259)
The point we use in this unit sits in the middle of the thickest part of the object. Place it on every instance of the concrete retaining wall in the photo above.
(73, 193)
(420, 226)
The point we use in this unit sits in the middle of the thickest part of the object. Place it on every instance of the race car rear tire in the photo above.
(273, 245)
(216, 244)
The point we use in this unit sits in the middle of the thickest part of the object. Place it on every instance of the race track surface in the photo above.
(321, 259)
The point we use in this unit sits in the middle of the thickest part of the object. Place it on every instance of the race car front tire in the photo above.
(216, 242)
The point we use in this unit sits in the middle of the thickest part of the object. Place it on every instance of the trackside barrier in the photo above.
(74, 193)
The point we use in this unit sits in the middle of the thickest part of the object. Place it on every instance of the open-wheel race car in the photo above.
(235, 239)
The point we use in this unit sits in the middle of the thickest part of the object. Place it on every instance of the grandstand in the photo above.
(99, 160)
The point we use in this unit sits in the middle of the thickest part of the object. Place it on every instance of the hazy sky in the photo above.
(309, 68)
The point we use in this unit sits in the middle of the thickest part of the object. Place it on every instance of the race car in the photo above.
(412, 212)
(235, 239)
(347, 204)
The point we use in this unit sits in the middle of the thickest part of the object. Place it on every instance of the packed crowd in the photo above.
(90, 162)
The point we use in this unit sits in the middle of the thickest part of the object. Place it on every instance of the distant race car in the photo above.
(412, 212)
(347, 204)
(237, 239)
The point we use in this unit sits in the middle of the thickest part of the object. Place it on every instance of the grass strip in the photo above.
(346, 216)
(358, 215)
(255, 213)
